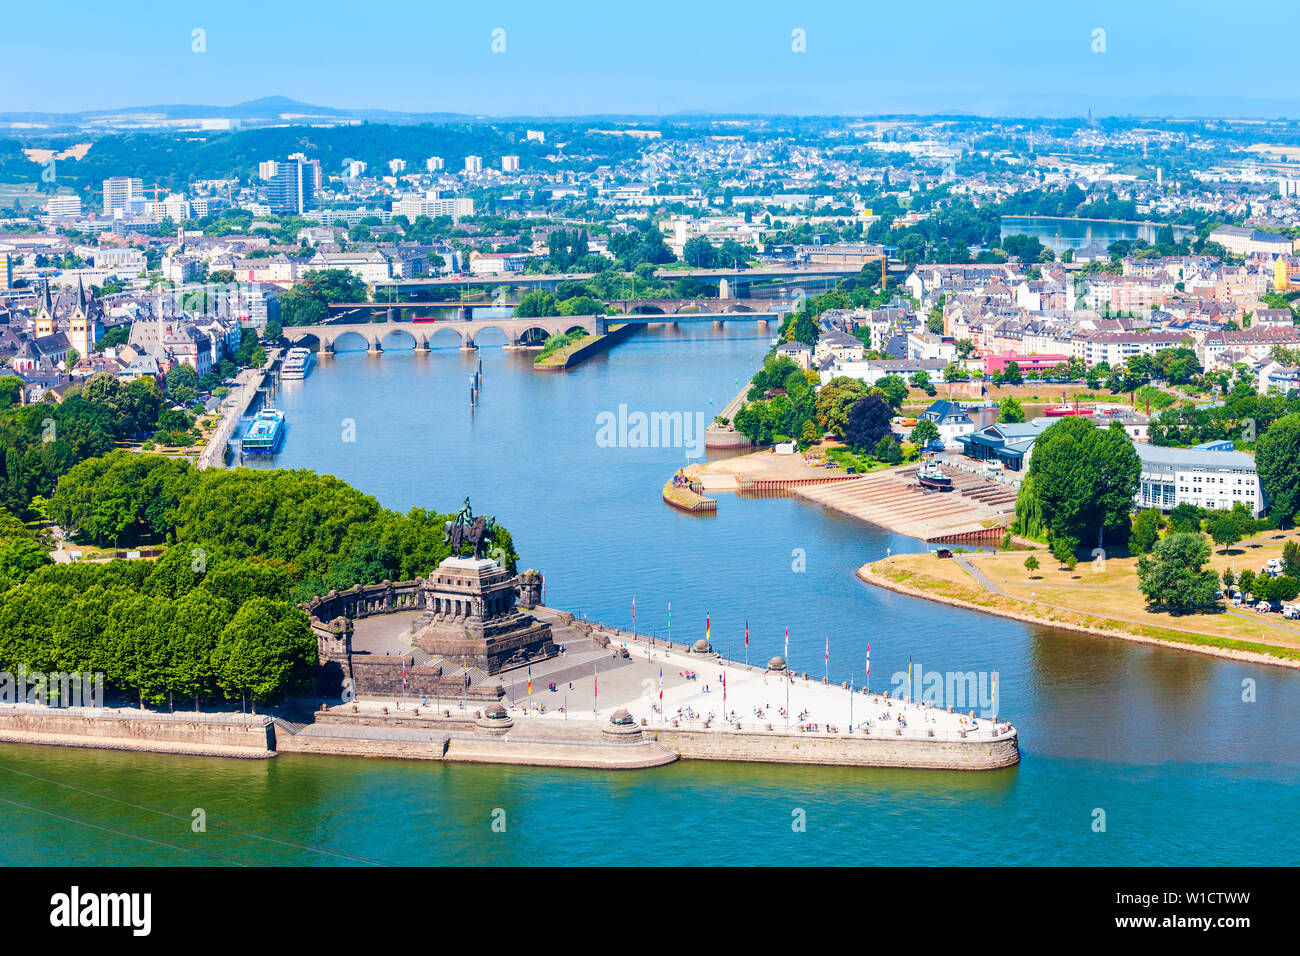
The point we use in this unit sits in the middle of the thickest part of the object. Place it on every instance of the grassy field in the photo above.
(1104, 596)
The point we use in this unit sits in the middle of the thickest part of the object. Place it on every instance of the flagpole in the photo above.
(787, 678)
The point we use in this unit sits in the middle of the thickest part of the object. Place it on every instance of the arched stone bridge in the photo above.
(527, 331)
(517, 331)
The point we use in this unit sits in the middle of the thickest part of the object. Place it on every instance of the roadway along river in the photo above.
(1161, 741)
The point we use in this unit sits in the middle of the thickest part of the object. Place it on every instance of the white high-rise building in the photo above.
(473, 165)
(434, 164)
(509, 164)
(397, 166)
(118, 193)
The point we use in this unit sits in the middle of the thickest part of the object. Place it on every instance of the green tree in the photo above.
(1031, 565)
(1291, 559)
(895, 390)
(1065, 549)
(266, 649)
(834, 402)
(1224, 529)
(1085, 478)
(11, 390)
(888, 450)
(1010, 411)
(925, 431)
(1277, 460)
(1146, 531)
(1173, 576)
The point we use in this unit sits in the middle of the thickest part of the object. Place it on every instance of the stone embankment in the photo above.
(205, 735)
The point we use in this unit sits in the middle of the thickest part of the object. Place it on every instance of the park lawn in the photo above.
(930, 575)
(1091, 597)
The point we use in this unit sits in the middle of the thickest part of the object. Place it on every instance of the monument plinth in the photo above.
(472, 620)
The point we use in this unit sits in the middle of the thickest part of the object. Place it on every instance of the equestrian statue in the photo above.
(478, 531)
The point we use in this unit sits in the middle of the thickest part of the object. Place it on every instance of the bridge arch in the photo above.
(307, 340)
(532, 335)
(734, 307)
(494, 332)
(350, 340)
(399, 339)
(442, 338)
(646, 309)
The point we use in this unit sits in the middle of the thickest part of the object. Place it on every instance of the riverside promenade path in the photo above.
(984, 581)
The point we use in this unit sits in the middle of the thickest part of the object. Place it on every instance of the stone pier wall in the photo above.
(136, 730)
(841, 750)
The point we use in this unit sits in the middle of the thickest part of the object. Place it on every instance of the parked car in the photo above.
(1263, 607)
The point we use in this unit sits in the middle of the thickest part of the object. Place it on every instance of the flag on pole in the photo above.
(868, 660)
(634, 612)
(403, 675)
(787, 643)
(530, 681)
(747, 633)
(909, 673)
(724, 695)
(661, 685)
(828, 649)
(708, 628)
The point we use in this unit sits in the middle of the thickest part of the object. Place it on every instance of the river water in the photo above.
(1161, 742)
(1059, 234)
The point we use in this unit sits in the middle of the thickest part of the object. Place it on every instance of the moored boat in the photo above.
(264, 434)
(297, 363)
(929, 475)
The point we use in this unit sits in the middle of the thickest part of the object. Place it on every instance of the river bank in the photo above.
(907, 581)
(976, 509)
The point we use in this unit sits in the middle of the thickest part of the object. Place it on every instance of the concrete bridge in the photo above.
(757, 308)
(464, 311)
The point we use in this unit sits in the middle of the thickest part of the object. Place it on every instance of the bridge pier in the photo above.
(717, 325)
(376, 348)
(468, 346)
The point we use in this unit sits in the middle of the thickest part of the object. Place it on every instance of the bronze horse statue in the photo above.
(478, 531)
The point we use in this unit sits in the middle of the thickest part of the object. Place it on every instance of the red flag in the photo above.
(828, 648)
(747, 634)
(634, 612)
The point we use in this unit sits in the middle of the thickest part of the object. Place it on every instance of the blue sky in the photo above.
(566, 57)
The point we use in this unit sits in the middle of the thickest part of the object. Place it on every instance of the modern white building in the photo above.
(63, 207)
(125, 261)
(473, 165)
(1209, 475)
(118, 192)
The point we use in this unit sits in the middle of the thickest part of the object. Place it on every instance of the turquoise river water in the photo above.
(1185, 771)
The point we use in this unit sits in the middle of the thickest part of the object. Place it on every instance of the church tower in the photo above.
(81, 323)
(45, 313)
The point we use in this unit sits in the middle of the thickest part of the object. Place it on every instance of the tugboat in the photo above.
(929, 476)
